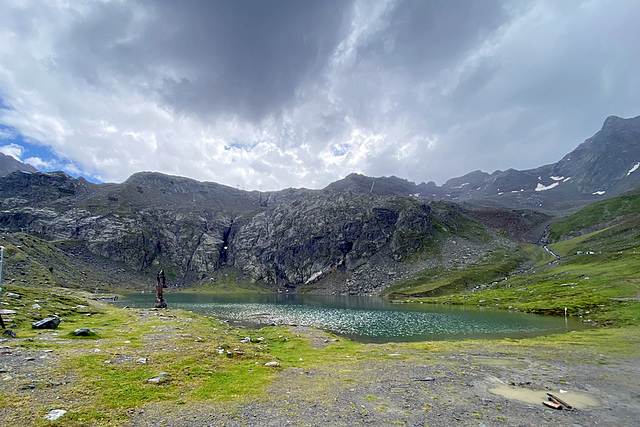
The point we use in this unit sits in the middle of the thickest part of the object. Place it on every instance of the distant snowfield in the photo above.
(598, 193)
(461, 185)
(542, 187)
(633, 169)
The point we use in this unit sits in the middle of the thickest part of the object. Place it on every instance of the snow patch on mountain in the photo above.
(633, 169)
(461, 185)
(542, 187)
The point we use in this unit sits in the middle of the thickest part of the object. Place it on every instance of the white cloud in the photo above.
(41, 164)
(13, 150)
(422, 90)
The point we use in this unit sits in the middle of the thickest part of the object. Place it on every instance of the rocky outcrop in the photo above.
(8, 164)
(298, 242)
(292, 239)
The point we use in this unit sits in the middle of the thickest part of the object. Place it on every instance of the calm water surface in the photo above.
(365, 319)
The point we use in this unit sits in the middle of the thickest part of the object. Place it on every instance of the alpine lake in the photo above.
(363, 319)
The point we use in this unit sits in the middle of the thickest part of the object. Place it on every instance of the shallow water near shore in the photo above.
(364, 319)
(576, 399)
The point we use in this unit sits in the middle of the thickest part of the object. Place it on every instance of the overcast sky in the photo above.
(272, 94)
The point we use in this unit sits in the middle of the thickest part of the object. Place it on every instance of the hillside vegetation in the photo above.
(596, 277)
(596, 215)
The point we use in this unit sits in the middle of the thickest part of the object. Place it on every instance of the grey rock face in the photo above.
(46, 323)
(287, 240)
(300, 241)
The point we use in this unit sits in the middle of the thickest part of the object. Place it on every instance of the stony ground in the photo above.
(467, 383)
(414, 389)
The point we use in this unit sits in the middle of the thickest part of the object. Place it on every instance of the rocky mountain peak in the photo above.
(8, 164)
(618, 123)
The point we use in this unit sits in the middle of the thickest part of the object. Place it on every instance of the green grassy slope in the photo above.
(598, 278)
(593, 216)
(31, 261)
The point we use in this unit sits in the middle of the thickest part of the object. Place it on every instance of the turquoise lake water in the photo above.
(364, 319)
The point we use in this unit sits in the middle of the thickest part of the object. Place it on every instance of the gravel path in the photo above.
(472, 384)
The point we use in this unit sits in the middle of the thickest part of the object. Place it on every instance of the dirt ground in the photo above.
(468, 385)
(412, 388)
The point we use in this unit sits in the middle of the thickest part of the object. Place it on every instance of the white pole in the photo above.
(1, 265)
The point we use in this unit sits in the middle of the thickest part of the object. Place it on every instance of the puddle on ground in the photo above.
(491, 361)
(535, 397)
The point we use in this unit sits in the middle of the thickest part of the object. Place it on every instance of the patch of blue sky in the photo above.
(245, 146)
(25, 150)
(340, 149)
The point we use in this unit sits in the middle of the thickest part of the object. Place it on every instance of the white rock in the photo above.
(272, 364)
(54, 414)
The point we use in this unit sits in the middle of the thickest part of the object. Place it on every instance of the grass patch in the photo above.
(595, 214)
(442, 280)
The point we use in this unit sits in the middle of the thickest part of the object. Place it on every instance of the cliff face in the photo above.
(339, 242)
(301, 241)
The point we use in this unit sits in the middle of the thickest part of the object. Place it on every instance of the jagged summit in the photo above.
(605, 165)
(8, 164)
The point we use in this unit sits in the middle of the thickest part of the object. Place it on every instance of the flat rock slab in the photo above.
(46, 323)
(161, 378)
(55, 414)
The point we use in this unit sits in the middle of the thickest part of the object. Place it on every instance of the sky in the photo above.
(265, 95)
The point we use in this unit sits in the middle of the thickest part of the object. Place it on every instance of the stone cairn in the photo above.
(160, 302)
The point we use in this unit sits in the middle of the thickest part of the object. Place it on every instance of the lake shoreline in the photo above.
(366, 319)
(217, 377)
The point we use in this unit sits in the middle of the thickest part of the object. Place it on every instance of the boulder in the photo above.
(46, 323)
(12, 295)
(54, 414)
(82, 332)
(161, 378)
(9, 333)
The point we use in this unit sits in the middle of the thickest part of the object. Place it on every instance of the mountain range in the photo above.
(358, 235)
(603, 166)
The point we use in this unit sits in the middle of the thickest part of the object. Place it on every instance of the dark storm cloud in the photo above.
(233, 57)
(425, 36)
(245, 57)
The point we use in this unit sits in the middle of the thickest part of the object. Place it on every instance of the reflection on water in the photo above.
(367, 319)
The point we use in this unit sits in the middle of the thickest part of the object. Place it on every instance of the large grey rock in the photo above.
(162, 377)
(82, 332)
(12, 295)
(46, 323)
(55, 414)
